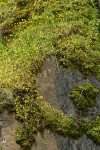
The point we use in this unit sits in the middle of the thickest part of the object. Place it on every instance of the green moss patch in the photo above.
(32, 30)
(93, 129)
(84, 97)
(77, 43)
(59, 122)
(35, 116)
(1, 107)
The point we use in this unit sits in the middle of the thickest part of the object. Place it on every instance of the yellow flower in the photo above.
(41, 97)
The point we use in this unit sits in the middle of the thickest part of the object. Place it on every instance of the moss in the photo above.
(36, 65)
(7, 105)
(92, 129)
(28, 112)
(1, 106)
(94, 134)
(35, 29)
(10, 106)
(24, 138)
(59, 122)
(10, 27)
(74, 45)
(26, 90)
(21, 3)
(84, 97)
(36, 116)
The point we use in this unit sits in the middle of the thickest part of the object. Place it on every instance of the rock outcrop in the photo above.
(54, 84)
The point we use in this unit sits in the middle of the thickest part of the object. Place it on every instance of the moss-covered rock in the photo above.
(59, 122)
(68, 29)
(84, 96)
(1, 106)
(76, 45)
(92, 129)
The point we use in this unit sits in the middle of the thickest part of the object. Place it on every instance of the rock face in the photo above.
(83, 143)
(8, 129)
(45, 142)
(46, 81)
(54, 85)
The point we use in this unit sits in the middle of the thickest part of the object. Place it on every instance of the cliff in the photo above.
(49, 75)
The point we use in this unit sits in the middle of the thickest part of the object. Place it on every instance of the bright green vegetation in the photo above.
(84, 97)
(93, 129)
(28, 112)
(30, 31)
(67, 29)
(1, 107)
(36, 117)
(59, 122)
(77, 44)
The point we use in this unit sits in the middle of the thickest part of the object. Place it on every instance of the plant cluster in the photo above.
(57, 121)
(6, 103)
(35, 116)
(31, 30)
(84, 96)
(93, 129)
(28, 113)
(77, 44)
(17, 17)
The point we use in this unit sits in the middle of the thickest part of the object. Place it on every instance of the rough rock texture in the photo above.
(54, 85)
(46, 82)
(8, 128)
(47, 141)
(83, 143)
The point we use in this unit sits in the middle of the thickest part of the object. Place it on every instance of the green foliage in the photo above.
(24, 138)
(59, 122)
(10, 106)
(84, 96)
(28, 113)
(7, 105)
(77, 44)
(6, 101)
(31, 30)
(1, 106)
(36, 116)
(74, 36)
(93, 129)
